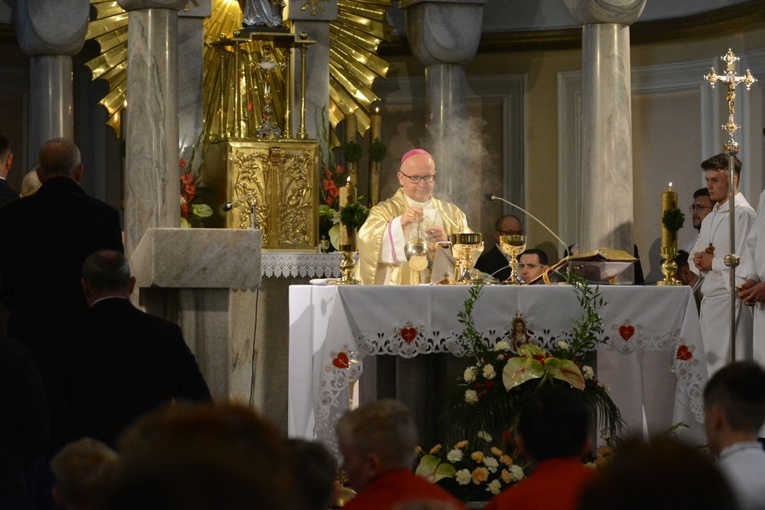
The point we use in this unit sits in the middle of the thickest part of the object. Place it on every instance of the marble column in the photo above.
(51, 32)
(444, 36)
(152, 185)
(606, 152)
(315, 24)
(190, 74)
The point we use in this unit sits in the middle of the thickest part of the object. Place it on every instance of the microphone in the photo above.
(230, 205)
(495, 197)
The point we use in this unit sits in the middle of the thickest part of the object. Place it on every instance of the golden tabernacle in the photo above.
(279, 177)
(257, 173)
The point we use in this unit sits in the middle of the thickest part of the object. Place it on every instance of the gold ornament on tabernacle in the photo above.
(280, 178)
(313, 5)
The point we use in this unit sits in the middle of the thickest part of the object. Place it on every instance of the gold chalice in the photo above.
(466, 247)
(513, 245)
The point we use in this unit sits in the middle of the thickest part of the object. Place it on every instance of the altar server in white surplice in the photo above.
(753, 291)
(712, 245)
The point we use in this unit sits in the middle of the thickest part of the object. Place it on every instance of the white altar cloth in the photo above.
(332, 329)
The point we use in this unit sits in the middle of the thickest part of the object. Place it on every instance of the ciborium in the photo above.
(512, 246)
(466, 247)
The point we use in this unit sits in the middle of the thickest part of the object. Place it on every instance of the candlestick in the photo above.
(668, 248)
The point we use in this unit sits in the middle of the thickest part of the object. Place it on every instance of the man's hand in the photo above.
(751, 292)
(412, 215)
(703, 260)
(435, 234)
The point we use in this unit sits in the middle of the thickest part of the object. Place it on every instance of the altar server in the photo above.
(752, 292)
(709, 252)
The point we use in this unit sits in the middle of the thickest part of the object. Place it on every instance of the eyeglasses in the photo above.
(522, 265)
(694, 208)
(509, 232)
(415, 179)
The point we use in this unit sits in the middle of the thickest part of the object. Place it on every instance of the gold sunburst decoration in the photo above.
(354, 64)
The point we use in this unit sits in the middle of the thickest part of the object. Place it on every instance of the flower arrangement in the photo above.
(330, 189)
(471, 470)
(503, 373)
(486, 397)
(193, 211)
(352, 216)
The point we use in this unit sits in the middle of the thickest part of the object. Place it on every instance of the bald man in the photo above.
(393, 222)
(494, 262)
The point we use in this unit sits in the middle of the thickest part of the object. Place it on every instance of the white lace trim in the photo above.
(309, 265)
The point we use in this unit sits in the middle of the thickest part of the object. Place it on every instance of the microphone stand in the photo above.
(253, 208)
(565, 246)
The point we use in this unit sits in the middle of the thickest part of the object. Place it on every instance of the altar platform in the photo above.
(652, 359)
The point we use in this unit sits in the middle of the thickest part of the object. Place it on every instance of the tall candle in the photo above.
(668, 201)
(351, 126)
(347, 196)
(350, 137)
(375, 126)
(375, 130)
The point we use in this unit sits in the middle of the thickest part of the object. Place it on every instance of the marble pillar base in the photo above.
(206, 281)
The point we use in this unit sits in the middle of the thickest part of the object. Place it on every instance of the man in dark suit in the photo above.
(7, 194)
(494, 262)
(45, 240)
(23, 425)
(129, 362)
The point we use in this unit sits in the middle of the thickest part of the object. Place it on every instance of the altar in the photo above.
(334, 329)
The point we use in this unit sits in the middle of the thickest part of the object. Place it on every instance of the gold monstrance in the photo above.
(731, 149)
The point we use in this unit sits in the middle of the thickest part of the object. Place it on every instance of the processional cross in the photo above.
(731, 149)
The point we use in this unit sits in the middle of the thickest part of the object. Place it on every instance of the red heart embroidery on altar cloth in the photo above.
(408, 334)
(684, 353)
(341, 361)
(626, 332)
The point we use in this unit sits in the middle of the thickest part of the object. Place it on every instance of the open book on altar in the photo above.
(603, 266)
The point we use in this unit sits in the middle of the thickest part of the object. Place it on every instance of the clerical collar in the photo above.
(424, 205)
